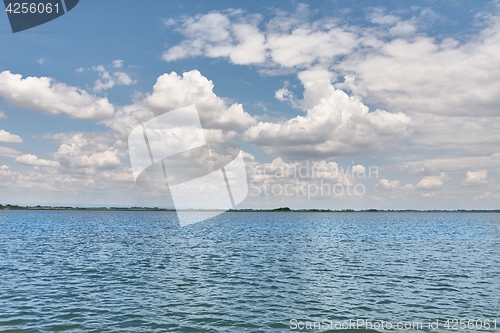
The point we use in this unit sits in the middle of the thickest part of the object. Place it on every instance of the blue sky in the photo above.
(305, 75)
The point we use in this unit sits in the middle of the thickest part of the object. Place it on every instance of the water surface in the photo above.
(85, 271)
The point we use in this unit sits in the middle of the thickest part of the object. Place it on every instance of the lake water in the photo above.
(84, 271)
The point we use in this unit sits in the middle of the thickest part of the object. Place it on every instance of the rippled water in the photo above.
(243, 272)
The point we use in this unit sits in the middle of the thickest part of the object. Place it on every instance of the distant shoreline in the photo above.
(281, 209)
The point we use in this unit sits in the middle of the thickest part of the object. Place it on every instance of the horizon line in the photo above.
(279, 209)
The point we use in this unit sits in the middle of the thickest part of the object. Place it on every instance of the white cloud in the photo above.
(261, 105)
(2, 115)
(448, 87)
(105, 81)
(101, 160)
(435, 133)
(403, 29)
(108, 183)
(84, 161)
(108, 80)
(432, 182)
(293, 184)
(123, 78)
(429, 167)
(80, 70)
(216, 36)
(377, 198)
(3, 170)
(393, 62)
(408, 187)
(6, 137)
(359, 169)
(490, 196)
(476, 177)
(387, 185)
(30, 159)
(335, 124)
(9, 152)
(288, 40)
(172, 91)
(127, 118)
(423, 74)
(299, 47)
(40, 61)
(46, 95)
(87, 153)
(378, 16)
(7, 176)
(118, 63)
(283, 94)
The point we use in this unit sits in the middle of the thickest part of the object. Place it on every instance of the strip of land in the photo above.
(281, 209)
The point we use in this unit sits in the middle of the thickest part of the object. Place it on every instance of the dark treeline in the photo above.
(38, 207)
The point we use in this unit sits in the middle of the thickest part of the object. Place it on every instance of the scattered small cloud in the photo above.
(108, 80)
(359, 169)
(118, 63)
(377, 198)
(476, 178)
(408, 187)
(283, 94)
(378, 16)
(169, 22)
(41, 61)
(387, 185)
(489, 196)
(30, 159)
(6, 137)
(123, 78)
(432, 182)
(261, 105)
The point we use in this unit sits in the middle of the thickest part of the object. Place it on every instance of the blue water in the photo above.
(84, 271)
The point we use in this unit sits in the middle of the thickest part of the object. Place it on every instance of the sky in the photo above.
(335, 104)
